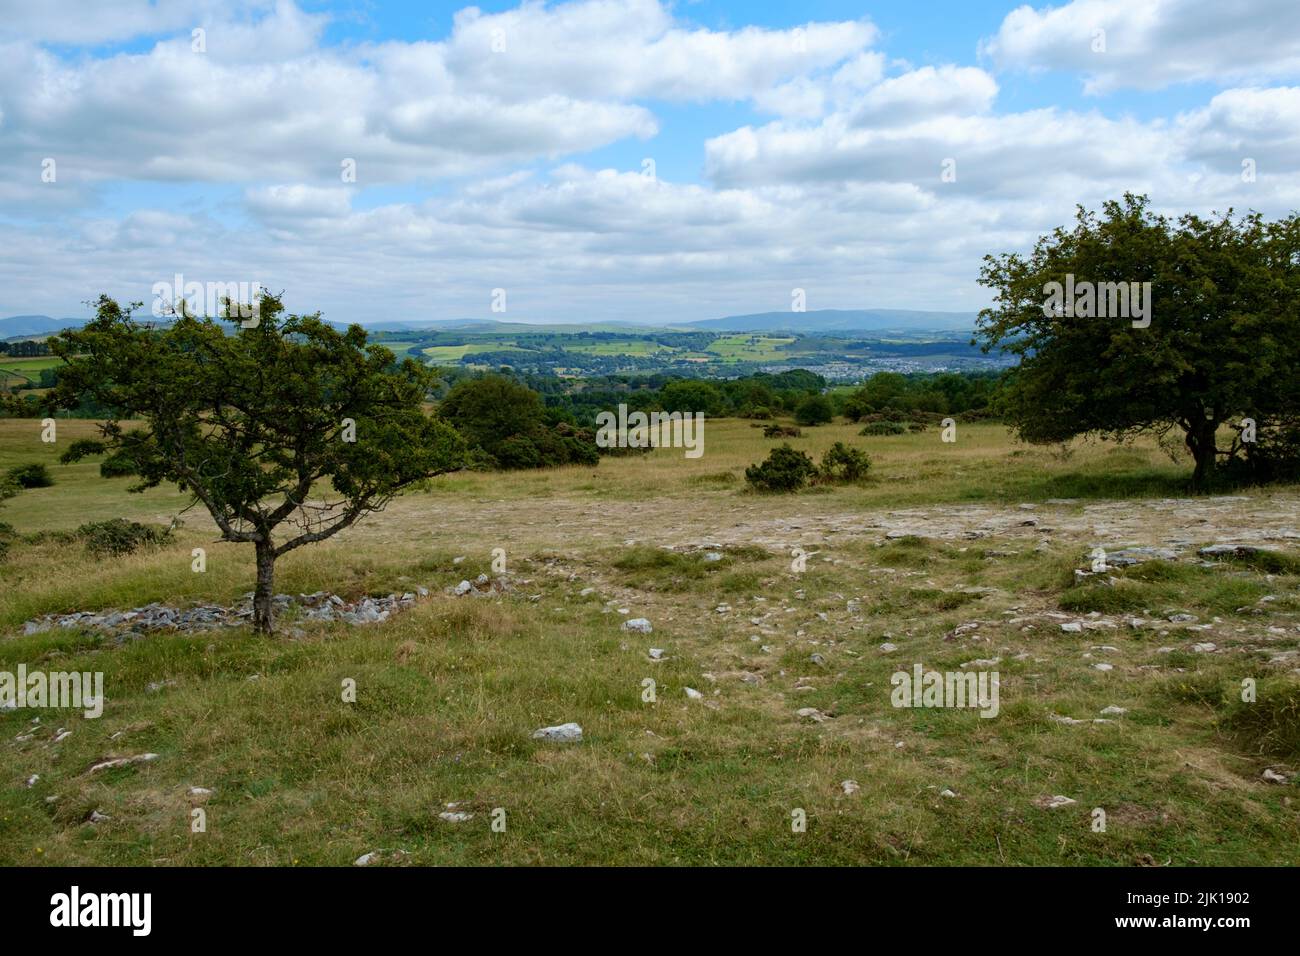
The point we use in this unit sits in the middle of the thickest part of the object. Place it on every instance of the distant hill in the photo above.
(840, 320)
(17, 326)
(820, 321)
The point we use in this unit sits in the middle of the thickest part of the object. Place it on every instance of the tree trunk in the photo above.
(1201, 443)
(262, 607)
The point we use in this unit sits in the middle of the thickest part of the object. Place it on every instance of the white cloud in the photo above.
(1153, 43)
(838, 190)
(266, 101)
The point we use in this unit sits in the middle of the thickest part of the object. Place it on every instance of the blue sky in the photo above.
(793, 146)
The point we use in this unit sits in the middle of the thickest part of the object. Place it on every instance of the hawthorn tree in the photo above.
(282, 422)
(1222, 344)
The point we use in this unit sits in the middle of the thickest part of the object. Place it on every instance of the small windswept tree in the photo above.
(1219, 342)
(280, 423)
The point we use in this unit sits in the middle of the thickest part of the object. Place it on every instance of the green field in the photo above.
(27, 369)
(748, 347)
(934, 555)
(451, 354)
(629, 347)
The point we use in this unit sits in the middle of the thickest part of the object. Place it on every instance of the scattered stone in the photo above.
(1204, 647)
(888, 648)
(1051, 803)
(97, 817)
(947, 793)
(1225, 550)
(638, 624)
(455, 815)
(122, 762)
(377, 856)
(1072, 627)
(656, 653)
(1103, 667)
(568, 733)
(320, 606)
(32, 780)
(1126, 557)
(199, 792)
(811, 713)
(1272, 776)
(1114, 711)
(694, 694)
(850, 787)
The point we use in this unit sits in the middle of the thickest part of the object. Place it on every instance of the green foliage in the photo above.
(492, 409)
(692, 395)
(509, 425)
(885, 428)
(843, 465)
(781, 431)
(30, 476)
(285, 420)
(814, 410)
(1223, 341)
(118, 536)
(784, 470)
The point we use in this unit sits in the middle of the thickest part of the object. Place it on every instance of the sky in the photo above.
(613, 160)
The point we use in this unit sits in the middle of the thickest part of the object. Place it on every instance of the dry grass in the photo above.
(448, 694)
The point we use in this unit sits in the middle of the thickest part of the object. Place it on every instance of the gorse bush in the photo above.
(787, 469)
(814, 410)
(118, 536)
(784, 470)
(842, 464)
(781, 431)
(885, 428)
(30, 476)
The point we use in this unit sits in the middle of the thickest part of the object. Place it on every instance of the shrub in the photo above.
(814, 410)
(30, 476)
(916, 427)
(118, 536)
(507, 426)
(842, 464)
(116, 466)
(884, 428)
(781, 431)
(692, 395)
(784, 470)
(518, 451)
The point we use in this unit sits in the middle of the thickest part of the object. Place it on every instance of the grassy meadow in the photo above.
(950, 554)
